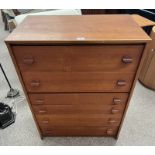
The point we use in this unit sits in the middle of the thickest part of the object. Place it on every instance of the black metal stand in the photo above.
(12, 92)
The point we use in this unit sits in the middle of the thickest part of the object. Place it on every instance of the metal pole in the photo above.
(5, 76)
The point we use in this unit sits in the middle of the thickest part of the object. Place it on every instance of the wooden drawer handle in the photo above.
(48, 131)
(39, 101)
(112, 121)
(115, 111)
(45, 122)
(121, 82)
(42, 111)
(28, 61)
(117, 101)
(127, 59)
(109, 131)
(35, 83)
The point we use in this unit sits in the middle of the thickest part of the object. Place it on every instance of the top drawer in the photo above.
(98, 58)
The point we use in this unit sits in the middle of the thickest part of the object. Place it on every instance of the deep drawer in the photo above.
(77, 82)
(99, 58)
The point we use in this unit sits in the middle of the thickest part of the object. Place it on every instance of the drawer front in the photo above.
(76, 120)
(77, 82)
(80, 131)
(91, 99)
(80, 109)
(99, 58)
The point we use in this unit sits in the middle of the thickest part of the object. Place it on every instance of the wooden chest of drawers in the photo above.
(78, 72)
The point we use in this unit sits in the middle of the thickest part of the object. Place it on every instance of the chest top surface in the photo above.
(78, 29)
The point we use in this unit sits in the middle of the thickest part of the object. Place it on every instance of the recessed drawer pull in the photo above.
(45, 122)
(39, 101)
(127, 59)
(109, 131)
(115, 111)
(35, 83)
(111, 121)
(121, 82)
(117, 101)
(28, 61)
(42, 111)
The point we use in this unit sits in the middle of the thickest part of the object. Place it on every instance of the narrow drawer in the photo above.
(99, 58)
(78, 109)
(76, 120)
(90, 99)
(77, 81)
(80, 131)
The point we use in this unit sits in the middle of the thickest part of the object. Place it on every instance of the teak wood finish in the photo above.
(95, 29)
(142, 21)
(89, 58)
(147, 73)
(78, 72)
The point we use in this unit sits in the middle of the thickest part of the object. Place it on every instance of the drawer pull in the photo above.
(121, 82)
(28, 61)
(114, 111)
(117, 101)
(45, 122)
(35, 83)
(111, 121)
(127, 59)
(39, 101)
(42, 111)
(48, 132)
(109, 131)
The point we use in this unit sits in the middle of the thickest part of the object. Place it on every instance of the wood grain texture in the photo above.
(80, 131)
(78, 29)
(147, 73)
(144, 55)
(83, 74)
(76, 120)
(94, 99)
(142, 21)
(23, 86)
(77, 82)
(86, 58)
(80, 109)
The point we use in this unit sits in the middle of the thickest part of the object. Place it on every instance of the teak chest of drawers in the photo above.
(78, 72)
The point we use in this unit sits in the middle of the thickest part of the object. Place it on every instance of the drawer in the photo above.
(99, 58)
(80, 131)
(76, 120)
(90, 99)
(77, 81)
(79, 109)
